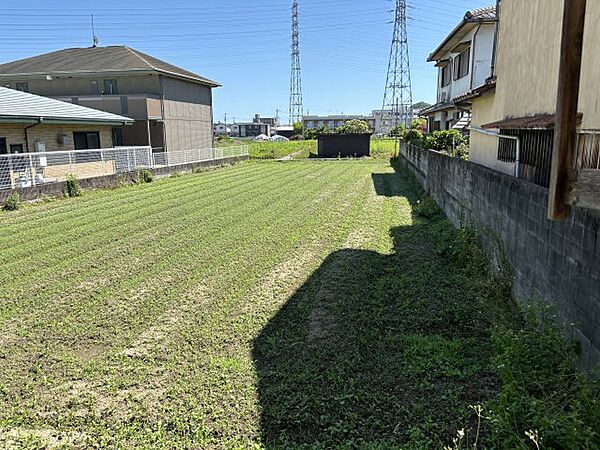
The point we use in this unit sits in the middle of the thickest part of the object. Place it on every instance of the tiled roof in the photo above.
(94, 60)
(485, 13)
(17, 105)
(544, 121)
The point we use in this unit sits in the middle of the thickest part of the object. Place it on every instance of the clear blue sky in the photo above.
(245, 45)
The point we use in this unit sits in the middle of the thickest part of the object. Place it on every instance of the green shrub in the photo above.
(414, 137)
(427, 208)
(445, 140)
(354, 126)
(13, 202)
(72, 186)
(542, 389)
(144, 176)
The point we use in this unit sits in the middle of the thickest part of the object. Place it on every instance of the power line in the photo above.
(296, 108)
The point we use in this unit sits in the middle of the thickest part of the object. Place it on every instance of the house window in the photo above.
(110, 87)
(3, 148)
(535, 153)
(86, 140)
(446, 72)
(23, 87)
(16, 148)
(461, 64)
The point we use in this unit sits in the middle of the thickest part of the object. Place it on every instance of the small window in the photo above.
(110, 87)
(3, 148)
(16, 148)
(446, 75)
(461, 64)
(86, 140)
(23, 87)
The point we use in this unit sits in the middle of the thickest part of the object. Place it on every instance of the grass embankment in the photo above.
(275, 305)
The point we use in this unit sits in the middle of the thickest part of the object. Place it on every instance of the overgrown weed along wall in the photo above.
(558, 262)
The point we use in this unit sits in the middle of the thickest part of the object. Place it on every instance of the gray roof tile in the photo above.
(96, 59)
(17, 105)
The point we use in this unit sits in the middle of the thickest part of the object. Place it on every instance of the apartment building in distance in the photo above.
(171, 106)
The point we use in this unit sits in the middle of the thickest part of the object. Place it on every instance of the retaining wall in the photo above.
(558, 262)
(57, 189)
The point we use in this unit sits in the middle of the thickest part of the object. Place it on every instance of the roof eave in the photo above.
(63, 120)
(33, 75)
(441, 50)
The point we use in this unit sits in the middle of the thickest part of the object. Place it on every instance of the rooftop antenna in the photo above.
(95, 40)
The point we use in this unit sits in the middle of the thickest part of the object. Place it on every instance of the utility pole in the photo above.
(565, 129)
(397, 97)
(225, 119)
(296, 109)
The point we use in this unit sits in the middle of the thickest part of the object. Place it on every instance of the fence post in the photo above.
(150, 162)
(134, 158)
(103, 161)
(71, 163)
(31, 170)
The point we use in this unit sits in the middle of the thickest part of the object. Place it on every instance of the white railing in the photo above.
(31, 169)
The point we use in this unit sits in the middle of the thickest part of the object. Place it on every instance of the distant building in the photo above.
(172, 107)
(464, 62)
(271, 121)
(221, 129)
(380, 121)
(334, 121)
(284, 130)
(247, 130)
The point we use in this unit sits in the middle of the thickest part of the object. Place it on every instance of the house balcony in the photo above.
(136, 106)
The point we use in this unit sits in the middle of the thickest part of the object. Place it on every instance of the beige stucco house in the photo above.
(36, 131)
(521, 100)
(172, 107)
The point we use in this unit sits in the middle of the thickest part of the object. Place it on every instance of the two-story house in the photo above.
(172, 107)
(464, 62)
(513, 121)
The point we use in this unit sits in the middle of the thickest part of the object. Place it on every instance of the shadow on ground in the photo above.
(376, 351)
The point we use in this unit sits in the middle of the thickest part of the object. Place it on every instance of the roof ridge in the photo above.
(141, 57)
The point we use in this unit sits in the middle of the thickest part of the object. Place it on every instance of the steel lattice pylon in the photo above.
(296, 108)
(397, 98)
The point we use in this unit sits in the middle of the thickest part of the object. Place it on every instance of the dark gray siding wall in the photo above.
(188, 114)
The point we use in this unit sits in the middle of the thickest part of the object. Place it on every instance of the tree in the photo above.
(419, 124)
(298, 128)
(354, 126)
(421, 105)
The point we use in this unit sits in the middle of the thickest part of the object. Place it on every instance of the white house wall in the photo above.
(484, 49)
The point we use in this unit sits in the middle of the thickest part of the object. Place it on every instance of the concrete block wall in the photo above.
(558, 262)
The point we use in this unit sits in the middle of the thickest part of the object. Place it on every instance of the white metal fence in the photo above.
(32, 169)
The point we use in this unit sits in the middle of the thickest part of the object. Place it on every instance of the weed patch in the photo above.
(72, 186)
(13, 202)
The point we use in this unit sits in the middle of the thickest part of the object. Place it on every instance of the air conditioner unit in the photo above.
(40, 146)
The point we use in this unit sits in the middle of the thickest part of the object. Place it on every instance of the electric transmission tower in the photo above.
(397, 98)
(296, 109)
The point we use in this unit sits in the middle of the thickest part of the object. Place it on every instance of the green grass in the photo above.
(380, 148)
(275, 150)
(277, 305)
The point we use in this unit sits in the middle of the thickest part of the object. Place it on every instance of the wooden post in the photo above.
(565, 136)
